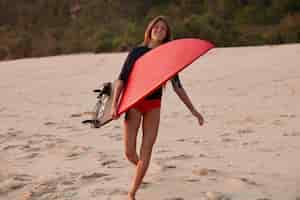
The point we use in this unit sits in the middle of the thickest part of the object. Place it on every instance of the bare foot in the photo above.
(131, 196)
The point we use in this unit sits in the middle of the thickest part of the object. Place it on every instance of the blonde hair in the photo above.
(147, 35)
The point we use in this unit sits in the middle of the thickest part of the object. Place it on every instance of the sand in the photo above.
(248, 148)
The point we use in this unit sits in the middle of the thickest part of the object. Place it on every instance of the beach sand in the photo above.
(248, 148)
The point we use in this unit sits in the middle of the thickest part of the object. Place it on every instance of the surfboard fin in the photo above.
(101, 111)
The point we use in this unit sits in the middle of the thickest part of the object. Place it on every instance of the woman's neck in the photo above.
(152, 44)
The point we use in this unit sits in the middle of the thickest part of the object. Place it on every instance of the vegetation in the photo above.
(41, 27)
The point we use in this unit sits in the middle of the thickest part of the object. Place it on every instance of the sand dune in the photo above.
(248, 148)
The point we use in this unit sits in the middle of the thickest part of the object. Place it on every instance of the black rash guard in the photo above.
(127, 67)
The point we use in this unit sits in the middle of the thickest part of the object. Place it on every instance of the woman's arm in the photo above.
(186, 100)
(117, 90)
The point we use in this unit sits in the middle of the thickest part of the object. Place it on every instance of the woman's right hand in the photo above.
(118, 85)
(113, 113)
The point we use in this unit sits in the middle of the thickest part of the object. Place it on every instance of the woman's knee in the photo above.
(131, 155)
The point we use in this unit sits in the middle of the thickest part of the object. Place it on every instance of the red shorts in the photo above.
(147, 105)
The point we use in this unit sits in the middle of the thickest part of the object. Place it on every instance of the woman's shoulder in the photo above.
(140, 48)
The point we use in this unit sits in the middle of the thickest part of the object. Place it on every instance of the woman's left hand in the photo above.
(199, 117)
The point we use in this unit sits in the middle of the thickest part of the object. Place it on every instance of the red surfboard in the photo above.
(159, 65)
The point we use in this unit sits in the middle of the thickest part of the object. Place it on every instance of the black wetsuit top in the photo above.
(129, 62)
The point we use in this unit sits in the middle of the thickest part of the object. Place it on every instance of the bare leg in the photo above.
(132, 124)
(150, 129)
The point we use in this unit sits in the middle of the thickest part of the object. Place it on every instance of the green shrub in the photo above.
(103, 26)
(23, 45)
(103, 41)
(3, 53)
(274, 37)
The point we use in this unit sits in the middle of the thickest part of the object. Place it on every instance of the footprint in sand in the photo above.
(59, 125)
(11, 116)
(293, 133)
(94, 175)
(31, 156)
(97, 192)
(70, 179)
(108, 162)
(145, 185)
(192, 180)
(14, 133)
(50, 123)
(22, 177)
(54, 188)
(26, 196)
(245, 144)
(245, 131)
(217, 196)
(76, 115)
(2, 109)
(29, 148)
(225, 134)
(117, 192)
(115, 136)
(278, 123)
(111, 164)
(20, 147)
(69, 194)
(43, 136)
(255, 142)
(204, 171)
(192, 140)
(44, 190)
(76, 152)
(264, 149)
(116, 127)
(14, 183)
(160, 166)
(76, 129)
(39, 143)
(227, 140)
(202, 155)
(68, 182)
(10, 134)
(108, 178)
(65, 127)
(251, 143)
(102, 156)
(161, 150)
(10, 146)
(180, 157)
(248, 181)
(288, 116)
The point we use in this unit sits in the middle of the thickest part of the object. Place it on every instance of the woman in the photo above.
(148, 111)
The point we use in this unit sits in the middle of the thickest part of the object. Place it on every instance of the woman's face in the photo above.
(159, 31)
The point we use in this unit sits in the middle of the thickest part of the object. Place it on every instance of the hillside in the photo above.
(35, 28)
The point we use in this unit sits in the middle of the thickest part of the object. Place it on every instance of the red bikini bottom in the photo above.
(147, 105)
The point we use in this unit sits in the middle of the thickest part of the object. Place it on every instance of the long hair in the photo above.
(147, 35)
